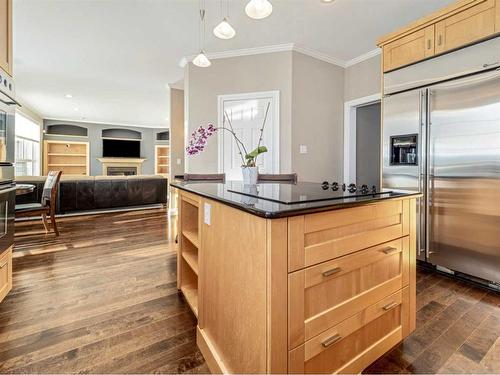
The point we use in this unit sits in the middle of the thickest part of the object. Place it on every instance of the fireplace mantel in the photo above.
(121, 162)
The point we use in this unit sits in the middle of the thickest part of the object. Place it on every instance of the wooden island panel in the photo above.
(339, 311)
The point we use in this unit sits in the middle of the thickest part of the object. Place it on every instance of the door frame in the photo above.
(350, 133)
(275, 100)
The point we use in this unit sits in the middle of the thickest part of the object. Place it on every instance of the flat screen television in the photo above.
(117, 148)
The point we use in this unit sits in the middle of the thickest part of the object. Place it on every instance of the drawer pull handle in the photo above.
(390, 306)
(3, 265)
(331, 272)
(390, 250)
(331, 340)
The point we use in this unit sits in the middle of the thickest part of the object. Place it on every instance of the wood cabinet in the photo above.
(472, 24)
(316, 293)
(5, 273)
(162, 159)
(72, 158)
(460, 24)
(409, 49)
(6, 36)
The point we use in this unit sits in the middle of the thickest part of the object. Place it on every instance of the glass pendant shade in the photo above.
(258, 9)
(202, 60)
(224, 30)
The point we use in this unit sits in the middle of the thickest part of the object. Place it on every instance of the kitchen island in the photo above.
(296, 278)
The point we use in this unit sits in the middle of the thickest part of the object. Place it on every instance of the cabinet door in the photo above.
(466, 27)
(5, 273)
(409, 49)
(6, 35)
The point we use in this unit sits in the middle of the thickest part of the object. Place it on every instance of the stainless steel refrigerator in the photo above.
(441, 136)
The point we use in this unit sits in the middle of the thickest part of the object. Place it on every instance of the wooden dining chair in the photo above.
(290, 178)
(209, 177)
(48, 204)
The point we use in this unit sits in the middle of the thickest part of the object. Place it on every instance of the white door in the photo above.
(246, 114)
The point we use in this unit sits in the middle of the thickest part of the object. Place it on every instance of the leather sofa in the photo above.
(83, 193)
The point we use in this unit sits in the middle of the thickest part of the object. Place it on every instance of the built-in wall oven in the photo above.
(8, 104)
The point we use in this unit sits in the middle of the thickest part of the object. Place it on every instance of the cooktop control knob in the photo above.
(374, 189)
(325, 185)
(335, 186)
(364, 189)
(352, 188)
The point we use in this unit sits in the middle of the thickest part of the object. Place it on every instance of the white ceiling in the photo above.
(117, 57)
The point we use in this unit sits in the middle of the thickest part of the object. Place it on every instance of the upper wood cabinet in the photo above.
(6, 35)
(455, 26)
(465, 27)
(410, 48)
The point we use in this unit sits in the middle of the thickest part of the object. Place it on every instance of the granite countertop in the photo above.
(301, 198)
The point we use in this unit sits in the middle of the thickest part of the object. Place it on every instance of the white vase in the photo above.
(250, 175)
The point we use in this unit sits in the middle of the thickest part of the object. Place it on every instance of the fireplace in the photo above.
(121, 171)
(121, 166)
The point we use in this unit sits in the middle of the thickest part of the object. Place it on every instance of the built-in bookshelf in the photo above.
(70, 157)
(162, 159)
(189, 244)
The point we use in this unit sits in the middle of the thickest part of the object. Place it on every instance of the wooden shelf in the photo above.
(67, 165)
(190, 292)
(191, 258)
(61, 154)
(71, 157)
(192, 236)
(163, 165)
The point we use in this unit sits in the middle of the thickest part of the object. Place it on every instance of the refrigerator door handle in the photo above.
(421, 174)
(428, 188)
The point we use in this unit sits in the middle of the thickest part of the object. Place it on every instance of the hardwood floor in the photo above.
(102, 298)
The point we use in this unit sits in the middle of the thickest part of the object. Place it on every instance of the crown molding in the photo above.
(281, 48)
(363, 57)
(89, 121)
(319, 55)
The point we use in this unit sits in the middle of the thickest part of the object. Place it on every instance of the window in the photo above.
(27, 147)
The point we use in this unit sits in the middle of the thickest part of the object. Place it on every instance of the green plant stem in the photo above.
(262, 129)
(238, 142)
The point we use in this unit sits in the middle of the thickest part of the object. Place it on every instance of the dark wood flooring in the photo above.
(102, 298)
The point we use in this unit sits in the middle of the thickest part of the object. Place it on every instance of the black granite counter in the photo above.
(275, 200)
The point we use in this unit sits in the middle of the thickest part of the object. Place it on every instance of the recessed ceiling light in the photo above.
(69, 96)
(76, 109)
(327, 1)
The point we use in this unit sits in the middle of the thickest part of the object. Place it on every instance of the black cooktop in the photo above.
(305, 192)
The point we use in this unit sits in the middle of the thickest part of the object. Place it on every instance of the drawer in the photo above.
(5, 273)
(353, 344)
(317, 238)
(322, 296)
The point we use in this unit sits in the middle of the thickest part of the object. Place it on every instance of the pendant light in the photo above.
(259, 9)
(202, 60)
(224, 30)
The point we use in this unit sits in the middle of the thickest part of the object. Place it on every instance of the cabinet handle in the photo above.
(390, 306)
(390, 250)
(331, 340)
(428, 44)
(331, 272)
(3, 265)
(440, 39)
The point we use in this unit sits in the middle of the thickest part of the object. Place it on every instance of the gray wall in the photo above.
(95, 130)
(363, 79)
(176, 131)
(368, 145)
(237, 75)
(317, 118)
